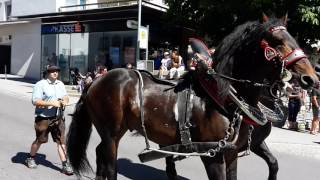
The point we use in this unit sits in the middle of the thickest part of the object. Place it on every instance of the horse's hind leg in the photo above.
(263, 151)
(106, 157)
(215, 167)
(106, 161)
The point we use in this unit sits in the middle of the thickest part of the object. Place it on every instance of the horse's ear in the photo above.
(285, 19)
(265, 18)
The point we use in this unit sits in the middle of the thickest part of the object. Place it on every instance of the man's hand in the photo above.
(63, 103)
(56, 103)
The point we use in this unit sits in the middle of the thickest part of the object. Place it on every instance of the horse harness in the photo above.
(187, 147)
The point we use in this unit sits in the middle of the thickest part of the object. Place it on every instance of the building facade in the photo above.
(80, 34)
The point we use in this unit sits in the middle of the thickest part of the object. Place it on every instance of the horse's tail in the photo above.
(78, 137)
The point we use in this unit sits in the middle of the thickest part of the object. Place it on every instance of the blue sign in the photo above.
(62, 28)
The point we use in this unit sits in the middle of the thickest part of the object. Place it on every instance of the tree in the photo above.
(217, 18)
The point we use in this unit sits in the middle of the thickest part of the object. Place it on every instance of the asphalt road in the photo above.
(16, 135)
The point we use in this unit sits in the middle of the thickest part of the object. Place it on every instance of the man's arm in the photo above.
(44, 104)
(65, 100)
(314, 101)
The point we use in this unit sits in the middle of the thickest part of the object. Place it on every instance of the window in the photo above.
(8, 10)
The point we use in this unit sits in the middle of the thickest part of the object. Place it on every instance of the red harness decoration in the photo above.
(294, 56)
(270, 53)
(249, 121)
(211, 87)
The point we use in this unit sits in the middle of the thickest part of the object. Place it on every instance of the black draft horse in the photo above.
(113, 103)
(250, 52)
(274, 36)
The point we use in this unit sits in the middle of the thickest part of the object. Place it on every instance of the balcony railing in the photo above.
(111, 4)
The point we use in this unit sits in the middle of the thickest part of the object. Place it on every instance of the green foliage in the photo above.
(217, 18)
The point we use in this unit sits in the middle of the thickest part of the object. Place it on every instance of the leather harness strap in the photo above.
(184, 115)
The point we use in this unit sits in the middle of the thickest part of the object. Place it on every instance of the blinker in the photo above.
(269, 52)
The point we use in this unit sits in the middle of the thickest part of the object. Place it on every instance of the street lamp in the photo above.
(138, 33)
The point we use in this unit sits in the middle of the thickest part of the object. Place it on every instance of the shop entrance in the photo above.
(73, 53)
(5, 59)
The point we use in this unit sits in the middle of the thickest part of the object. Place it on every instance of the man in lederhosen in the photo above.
(49, 94)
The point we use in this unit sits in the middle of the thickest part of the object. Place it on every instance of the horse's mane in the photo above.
(243, 44)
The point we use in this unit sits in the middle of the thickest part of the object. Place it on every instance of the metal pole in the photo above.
(5, 72)
(147, 48)
(138, 35)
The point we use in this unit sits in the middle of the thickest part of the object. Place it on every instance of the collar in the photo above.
(52, 82)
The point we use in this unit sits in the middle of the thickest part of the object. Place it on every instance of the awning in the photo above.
(3, 23)
(8, 27)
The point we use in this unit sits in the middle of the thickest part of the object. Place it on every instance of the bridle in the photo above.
(272, 54)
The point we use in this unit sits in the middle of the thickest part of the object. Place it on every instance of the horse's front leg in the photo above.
(215, 167)
(232, 164)
(263, 151)
(171, 168)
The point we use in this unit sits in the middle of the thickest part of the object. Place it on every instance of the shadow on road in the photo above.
(317, 142)
(139, 171)
(20, 158)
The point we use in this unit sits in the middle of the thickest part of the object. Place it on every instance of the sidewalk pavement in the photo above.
(280, 140)
(21, 87)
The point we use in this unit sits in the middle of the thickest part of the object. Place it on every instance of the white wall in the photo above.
(26, 50)
(30, 7)
(3, 10)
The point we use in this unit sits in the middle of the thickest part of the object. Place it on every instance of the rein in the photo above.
(229, 78)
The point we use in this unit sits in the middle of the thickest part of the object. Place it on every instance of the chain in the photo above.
(247, 152)
(223, 142)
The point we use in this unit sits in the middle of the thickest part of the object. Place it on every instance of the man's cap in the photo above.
(53, 68)
(166, 53)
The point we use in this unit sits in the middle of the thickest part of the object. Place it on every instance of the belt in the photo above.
(45, 118)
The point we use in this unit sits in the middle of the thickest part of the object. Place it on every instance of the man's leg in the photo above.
(41, 128)
(62, 152)
(34, 148)
(58, 136)
(30, 161)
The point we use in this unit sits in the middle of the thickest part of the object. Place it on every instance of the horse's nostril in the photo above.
(306, 81)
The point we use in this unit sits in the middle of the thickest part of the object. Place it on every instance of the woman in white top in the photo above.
(165, 65)
(177, 66)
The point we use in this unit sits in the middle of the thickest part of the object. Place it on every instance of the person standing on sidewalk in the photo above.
(315, 95)
(48, 96)
(296, 97)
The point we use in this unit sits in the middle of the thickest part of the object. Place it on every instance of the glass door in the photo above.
(79, 51)
(73, 53)
(64, 52)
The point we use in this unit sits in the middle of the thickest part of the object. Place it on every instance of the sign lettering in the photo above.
(62, 28)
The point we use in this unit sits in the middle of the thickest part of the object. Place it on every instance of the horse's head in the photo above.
(260, 52)
(280, 47)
